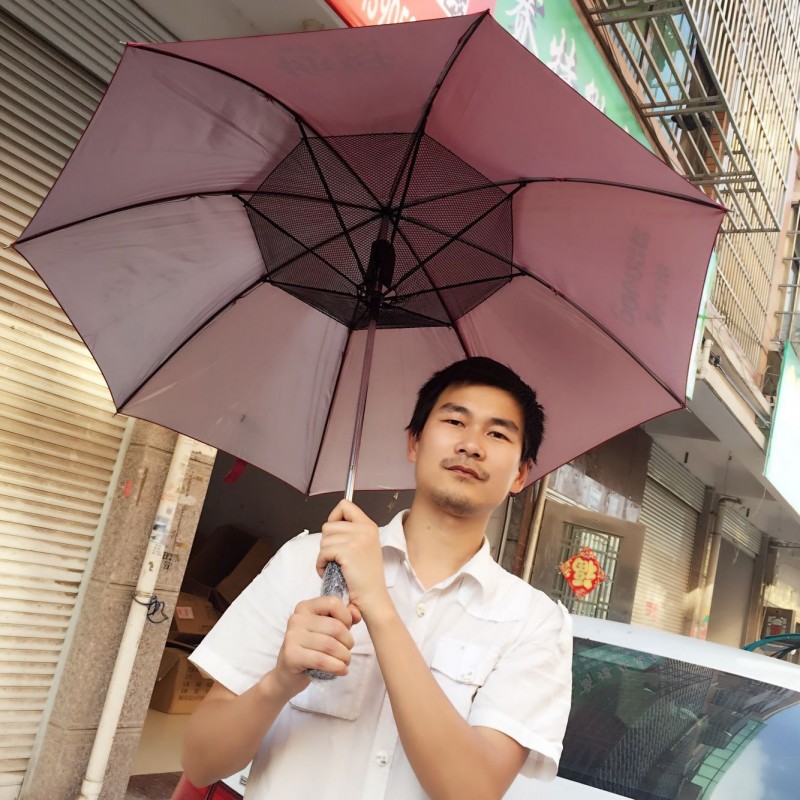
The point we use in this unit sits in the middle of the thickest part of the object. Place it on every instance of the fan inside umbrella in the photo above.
(318, 214)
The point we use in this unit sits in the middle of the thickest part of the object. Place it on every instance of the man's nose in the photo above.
(469, 447)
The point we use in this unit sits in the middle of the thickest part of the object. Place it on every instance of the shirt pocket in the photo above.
(343, 697)
(461, 668)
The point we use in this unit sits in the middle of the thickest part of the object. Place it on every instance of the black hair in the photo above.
(481, 371)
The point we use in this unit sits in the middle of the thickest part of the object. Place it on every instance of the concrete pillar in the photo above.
(756, 608)
(62, 751)
(693, 625)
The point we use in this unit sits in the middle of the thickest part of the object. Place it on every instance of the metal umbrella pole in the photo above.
(379, 273)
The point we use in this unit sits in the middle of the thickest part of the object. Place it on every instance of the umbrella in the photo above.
(248, 224)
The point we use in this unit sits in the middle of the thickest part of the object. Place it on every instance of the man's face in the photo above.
(468, 454)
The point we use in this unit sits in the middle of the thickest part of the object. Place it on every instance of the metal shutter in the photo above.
(672, 499)
(738, 530)
(59, 436)
(88, 31)
(664, 469)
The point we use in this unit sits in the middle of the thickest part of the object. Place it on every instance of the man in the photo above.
(454, 675)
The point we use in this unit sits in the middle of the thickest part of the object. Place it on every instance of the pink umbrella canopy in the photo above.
(211, 238)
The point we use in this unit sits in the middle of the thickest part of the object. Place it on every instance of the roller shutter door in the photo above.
(673, 498)
(739, 531)
(59, 436)
(88, 32)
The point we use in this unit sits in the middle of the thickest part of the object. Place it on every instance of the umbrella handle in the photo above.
(333, 583)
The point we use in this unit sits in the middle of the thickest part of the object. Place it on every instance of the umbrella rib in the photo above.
(574, 305)
(331, 200)
(326, 141)
(196, 332)
(290, 111)
(132, 207)
(205, 325)
(453, 325)
(308, 250)
(329, 412)
(414, 253)
(410, 160)
(233, 193)
(460, 192)
(461, 284)
(451, 237)
(411, 157)
(243, 293)
(312, 199)
(460, 45)
(174, 199)
(590, 181)
(323, 243)
(284, 285)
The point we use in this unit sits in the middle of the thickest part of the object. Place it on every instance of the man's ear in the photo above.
(411, 447)
(522, 476)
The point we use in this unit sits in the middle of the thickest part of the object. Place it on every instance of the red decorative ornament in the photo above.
(583, 572)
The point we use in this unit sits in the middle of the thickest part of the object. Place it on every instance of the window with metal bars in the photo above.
(606, 548)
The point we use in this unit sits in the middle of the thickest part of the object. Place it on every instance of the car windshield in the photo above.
(656, 728)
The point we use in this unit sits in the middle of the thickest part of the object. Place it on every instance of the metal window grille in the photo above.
(606, 549)
(718, 83)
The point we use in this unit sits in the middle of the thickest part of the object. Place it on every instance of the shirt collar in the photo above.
(481, 567)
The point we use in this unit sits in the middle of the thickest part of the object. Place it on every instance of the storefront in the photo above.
(673, 501)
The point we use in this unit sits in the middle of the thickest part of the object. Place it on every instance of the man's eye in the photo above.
(454, 422)
(498, 435)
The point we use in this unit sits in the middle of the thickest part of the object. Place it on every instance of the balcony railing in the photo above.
(717, 84)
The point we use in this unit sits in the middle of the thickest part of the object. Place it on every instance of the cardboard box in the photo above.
(229, 588)
(194, 617)
(191, 586)
(216, 558)
(179, 684)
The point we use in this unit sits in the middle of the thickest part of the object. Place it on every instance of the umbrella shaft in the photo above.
(360, 408)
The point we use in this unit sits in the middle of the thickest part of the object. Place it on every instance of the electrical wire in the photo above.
(154, 607)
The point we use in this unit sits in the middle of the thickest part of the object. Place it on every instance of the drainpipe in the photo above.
(501, 551)
(536, 527)
(137, 616)
(710, 577)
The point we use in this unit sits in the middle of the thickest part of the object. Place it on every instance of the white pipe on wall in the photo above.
(137, 616)
(536, 527)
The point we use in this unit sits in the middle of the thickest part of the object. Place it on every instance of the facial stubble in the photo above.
(457, 504)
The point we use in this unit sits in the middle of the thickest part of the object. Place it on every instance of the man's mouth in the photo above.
(463, 470)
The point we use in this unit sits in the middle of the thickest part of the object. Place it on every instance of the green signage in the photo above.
(553, 31)
(783, 452)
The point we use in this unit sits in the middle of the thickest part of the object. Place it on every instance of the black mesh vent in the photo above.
(451, 229)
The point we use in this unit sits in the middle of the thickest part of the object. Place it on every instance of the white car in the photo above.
(657, 716)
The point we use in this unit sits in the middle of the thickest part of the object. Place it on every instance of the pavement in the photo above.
(152, 787)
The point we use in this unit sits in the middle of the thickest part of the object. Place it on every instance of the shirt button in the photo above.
(422, 610)
(382, 758)
(467, 676)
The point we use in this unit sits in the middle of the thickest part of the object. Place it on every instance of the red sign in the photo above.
(583, 572)
(384, 12)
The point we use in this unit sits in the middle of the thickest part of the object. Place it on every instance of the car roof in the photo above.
(685, 648)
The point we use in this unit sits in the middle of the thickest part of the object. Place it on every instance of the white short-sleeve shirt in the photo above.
(500, 650)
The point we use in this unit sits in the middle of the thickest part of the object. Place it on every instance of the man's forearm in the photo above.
(224, 734)
(447, 755)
